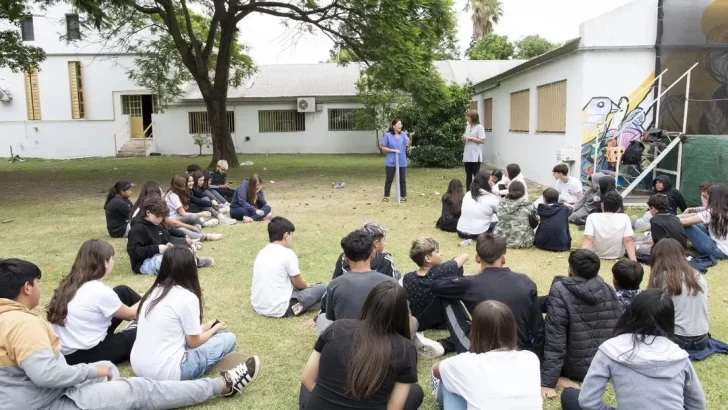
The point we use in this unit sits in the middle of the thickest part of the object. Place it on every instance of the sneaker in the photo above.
(213, 236)
(211, 222)
(428, 348)
(198, 227)
(224, 220)
(247, 219)
(297, 309)
(197, 245)
(205, 262)
(240, 376)
(225, 209)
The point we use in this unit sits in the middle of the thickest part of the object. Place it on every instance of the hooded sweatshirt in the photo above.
(652, 375)
(674, 197)
(580, 316)
(590, 202)
(553, 229)
(513, 222)
(33, 372)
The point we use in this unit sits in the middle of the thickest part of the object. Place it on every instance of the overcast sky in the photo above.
(557, 20)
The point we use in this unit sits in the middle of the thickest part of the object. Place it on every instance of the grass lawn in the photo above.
(57, 205)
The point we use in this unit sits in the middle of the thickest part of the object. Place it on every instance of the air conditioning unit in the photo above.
(5, 96)
(306, 104)
(566, 155)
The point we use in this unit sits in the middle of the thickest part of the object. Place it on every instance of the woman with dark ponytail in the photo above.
(118, 209)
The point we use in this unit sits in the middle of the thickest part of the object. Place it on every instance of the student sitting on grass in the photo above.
(626, 278)
(200, 198)
(381, 262)
(219, 183)
(708, 231)
(647, 370)
(662, 185)
(704, 187)
(590, 202)
(662, 225)
(172, 342)
(516, 218)
(197, 202)
(426, 254)
(35, 375)
(177, 199)
(368, 362)
(279, 289)
(213, 194)
(513, 174)
(249, 202)
(553, 232)
(494, 374)
(85, 313)
(580, 315)
(495, 282)
(569, 188)
(452, 202)
(609, 233)
(671, 272)
(479, 209)
(118, 210)
(149, 240)
(192, 168)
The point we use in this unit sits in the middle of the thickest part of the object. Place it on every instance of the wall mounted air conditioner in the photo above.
(306, 104)
(5, 96)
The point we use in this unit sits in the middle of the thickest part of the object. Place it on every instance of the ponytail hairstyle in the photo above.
(116, 190)
(480, 182)
(178, 186)
(90, 264)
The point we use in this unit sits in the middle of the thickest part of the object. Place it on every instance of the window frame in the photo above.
(513, 127)
(71, 34)
(32, 95)
(560, 123)
(75, 79)
(27, 28)
(198, 122)
(297, 121)
(488, 114)
(348, 124)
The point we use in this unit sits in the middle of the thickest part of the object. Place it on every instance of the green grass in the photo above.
(57, 205)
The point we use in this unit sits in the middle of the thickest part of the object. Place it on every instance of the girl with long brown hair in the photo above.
(197, 184)
(249, 202)
(494, 373)
(473, 138)
(671, 272)
(178, 202)
(85, 313)
(452, 202)
(708, 230)
(368, 363)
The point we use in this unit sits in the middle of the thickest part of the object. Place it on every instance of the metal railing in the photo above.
(151, 135)
(119, 133)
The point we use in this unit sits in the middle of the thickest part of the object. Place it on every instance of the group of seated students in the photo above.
(499, 203)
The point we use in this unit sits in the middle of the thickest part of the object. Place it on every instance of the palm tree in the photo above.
(486, 14)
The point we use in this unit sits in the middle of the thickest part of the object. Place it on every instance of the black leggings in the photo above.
(413, 402)
(402, 181)
(116, 347)
(471, 168)
(570, 399)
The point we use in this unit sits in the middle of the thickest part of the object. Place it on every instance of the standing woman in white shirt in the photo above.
(493, 374)
(85, 313)
(473, 138)
(478, 211)
(172, 342)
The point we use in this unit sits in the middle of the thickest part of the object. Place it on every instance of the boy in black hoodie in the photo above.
(663, 185)
(382, 262)
(553, 230)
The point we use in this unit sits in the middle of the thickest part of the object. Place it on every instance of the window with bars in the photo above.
(32, 95)
(281, 121)
(552, 108)
(73, 27)
(199, 124)
(488, 114)
(26, 29)
(520, 111)
(345, 119)
(78, 108)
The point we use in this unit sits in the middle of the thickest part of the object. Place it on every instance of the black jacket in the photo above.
(144, 241)
(666, 225)
(580, 316)
(448, 221)
(553, 230)
(674, 197)
(515, 290)
(117, 216)
(382, 263)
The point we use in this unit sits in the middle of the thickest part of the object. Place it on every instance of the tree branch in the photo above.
(190, 32)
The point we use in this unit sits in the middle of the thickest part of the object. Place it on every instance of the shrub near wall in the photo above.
(439, 127)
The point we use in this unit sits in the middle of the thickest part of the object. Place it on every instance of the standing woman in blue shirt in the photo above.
(395, 141)
(473, 138)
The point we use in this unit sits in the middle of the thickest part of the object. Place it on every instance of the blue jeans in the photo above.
(447, 400)
(199, 360)
(239, 213)
(703, 243)
(151, 265)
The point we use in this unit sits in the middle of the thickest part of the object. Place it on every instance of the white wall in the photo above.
(632, 25)
(535, 152)
(171, 132)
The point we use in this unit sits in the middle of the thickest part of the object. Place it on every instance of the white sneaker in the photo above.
(225, 210)
(213, 236)
(211, 222)
(224, 220)
(427, 347)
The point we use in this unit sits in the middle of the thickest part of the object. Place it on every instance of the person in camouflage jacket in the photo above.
(516, 218)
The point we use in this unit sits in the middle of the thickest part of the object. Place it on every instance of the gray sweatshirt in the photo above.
(652, 375)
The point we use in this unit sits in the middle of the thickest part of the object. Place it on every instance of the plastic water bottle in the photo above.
(466, 242)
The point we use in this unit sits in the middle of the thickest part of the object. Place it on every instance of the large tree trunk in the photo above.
(223, 146)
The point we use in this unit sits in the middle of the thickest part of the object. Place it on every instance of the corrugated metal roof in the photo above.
(334, 80)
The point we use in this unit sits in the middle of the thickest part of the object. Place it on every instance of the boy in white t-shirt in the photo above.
(278, 287)
(570, 188)
(609, 234)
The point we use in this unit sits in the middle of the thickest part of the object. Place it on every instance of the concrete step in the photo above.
(134, 148)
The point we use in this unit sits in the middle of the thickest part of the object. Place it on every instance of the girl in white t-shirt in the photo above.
(708, 230)
(172, 342)
(493, 374)
(85, 313)
(178, 201)
(478, 211)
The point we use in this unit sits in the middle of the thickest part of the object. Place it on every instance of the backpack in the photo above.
(633, 154)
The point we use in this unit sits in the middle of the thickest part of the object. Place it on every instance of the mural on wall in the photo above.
(609, 123)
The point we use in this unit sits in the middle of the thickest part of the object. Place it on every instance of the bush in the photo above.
(435, 156)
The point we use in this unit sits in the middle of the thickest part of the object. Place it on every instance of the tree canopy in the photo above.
(533, 46)
(491, 47)
(14, 54)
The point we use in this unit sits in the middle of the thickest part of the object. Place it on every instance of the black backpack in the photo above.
(633, 154)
